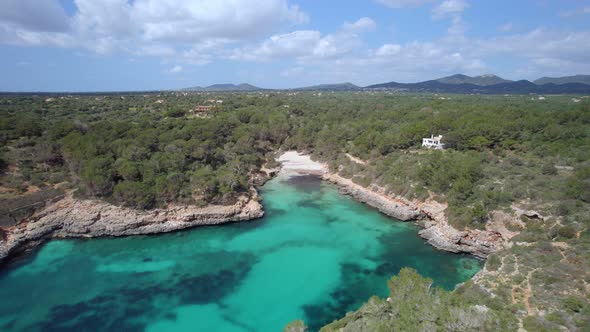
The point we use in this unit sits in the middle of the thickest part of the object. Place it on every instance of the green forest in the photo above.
(148, 151)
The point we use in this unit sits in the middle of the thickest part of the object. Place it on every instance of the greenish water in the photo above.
(315, 256)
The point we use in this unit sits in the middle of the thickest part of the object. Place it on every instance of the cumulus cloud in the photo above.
(293, 44)
(388, 50)
(449, 8)
(190, 21)
(34, 15)
(307, 45)
(544, 52)
(361, 25)
(153, 27)
(201, 32)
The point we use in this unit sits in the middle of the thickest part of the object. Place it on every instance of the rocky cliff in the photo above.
(92, 218)
(430, 214)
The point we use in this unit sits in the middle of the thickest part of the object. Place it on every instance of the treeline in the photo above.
(500, 150)
(141, 158)
(146, 151)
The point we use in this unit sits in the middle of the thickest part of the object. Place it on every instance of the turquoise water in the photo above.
(315, 256)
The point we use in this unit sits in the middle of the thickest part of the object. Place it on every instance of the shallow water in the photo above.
(315, 256)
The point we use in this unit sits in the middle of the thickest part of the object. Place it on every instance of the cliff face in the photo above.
(91, 218)
(430, 214)
(399, 209)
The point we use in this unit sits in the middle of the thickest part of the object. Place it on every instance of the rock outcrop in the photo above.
(71, 217)
(395, 208)
(430, 214)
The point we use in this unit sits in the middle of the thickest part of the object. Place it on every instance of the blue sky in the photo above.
(112, 45)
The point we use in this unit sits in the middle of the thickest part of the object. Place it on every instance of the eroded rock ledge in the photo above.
(70, 218)
(429, 214)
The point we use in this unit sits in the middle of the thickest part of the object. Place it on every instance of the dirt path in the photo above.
(356, 160)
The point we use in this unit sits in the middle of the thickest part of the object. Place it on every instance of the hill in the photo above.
(225, 87)
(483, 80)
(511, 87)
(330, 87)
(583, 79)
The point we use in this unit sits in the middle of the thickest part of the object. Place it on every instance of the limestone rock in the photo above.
(92, 218)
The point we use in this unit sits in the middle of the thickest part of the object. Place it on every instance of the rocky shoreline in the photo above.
(429, 214)
(75, 218)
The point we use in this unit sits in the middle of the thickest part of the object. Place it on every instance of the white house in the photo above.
(434, 142)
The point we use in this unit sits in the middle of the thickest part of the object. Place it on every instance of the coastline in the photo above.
(75, 218)
(429, 214)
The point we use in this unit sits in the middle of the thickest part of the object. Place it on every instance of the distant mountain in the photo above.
(225, 87)
(484, 84)
(330, 87)
(511, 87)
(584, 79)
(483, 80)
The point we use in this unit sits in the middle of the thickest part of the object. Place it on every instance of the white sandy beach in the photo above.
(293, 161)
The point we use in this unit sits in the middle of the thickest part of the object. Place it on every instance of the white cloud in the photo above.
(361, 25)
(34, 15)
(449, 8)
(200, 32)
(176, 69)
(544, 52)
(152, 27)
(307, 45)
(403, 3)
(191, 21)
(388, 50)
(293, 44)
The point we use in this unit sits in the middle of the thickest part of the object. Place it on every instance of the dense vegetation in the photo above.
(133, 152)
(149, 150)
(413, 305)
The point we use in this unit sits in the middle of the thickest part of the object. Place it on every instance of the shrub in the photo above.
(549, 169)
(97, 176)
(493, 263)
(533, 323)
(134, 194)
(567, 232)
(574, 304)
(175, 113)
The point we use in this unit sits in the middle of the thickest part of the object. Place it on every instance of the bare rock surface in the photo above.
(71, 217)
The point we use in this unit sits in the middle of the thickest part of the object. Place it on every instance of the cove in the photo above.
(315, 255)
